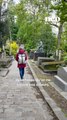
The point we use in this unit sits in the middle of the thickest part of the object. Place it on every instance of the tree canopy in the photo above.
(31, 22)
(26, 23)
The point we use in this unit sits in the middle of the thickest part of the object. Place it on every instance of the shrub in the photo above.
(11, 47)
(65, 60)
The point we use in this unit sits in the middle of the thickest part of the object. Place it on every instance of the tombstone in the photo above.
(44, 59)
(31, 54)
(61, 78)
(39, 51)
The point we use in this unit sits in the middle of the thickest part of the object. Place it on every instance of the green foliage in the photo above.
(13, 28)
(64, 38)
(4, 31)
(65, 59)
(61, 10)
(0, 49)
(11, 47)
(65, 47)
(32, 27)
(48, 39)
(30, 45)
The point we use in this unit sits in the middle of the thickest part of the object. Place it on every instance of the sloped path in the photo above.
(19, 101)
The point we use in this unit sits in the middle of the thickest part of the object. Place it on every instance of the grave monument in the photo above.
(61, 78)
(39, 51)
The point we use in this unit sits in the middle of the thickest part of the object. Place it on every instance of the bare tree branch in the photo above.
(54, 24)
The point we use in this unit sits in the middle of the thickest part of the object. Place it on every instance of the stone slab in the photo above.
(60, 82)
(36, 55)
(61, 78)
(44, 59)
(62, 73)
(64, 94)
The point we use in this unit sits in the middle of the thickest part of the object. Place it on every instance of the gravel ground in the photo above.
(44, 78)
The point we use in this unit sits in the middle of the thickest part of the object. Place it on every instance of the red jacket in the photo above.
(21, 51)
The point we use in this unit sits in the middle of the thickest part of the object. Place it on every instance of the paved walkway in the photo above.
(18, 99)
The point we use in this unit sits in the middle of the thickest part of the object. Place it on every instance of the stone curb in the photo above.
(57, 111)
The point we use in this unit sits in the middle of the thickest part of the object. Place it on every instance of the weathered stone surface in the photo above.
(18, 101)
(44, 59)
(31, 54)
(37, 54)
(61, 78)
(62, 73)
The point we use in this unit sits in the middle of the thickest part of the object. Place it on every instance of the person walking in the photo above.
(21, 58)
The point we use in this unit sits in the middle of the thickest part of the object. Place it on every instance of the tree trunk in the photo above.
(59, 35)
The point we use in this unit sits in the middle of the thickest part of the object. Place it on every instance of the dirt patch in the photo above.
(61, 101)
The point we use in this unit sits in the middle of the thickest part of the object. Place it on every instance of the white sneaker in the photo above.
(17, 80)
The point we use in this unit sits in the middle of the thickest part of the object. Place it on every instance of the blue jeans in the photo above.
(21, 70)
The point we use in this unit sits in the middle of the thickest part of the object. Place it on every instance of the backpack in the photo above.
(21, 58)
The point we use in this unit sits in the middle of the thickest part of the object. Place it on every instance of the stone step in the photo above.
(60, 82)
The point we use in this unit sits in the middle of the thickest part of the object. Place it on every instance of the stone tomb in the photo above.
(61, 78)
(44, 59)
(38, 54)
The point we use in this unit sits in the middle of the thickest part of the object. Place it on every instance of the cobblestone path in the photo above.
(18, 100)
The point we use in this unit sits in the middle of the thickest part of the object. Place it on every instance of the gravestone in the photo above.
(31, 56)
(61, 78)
(38, 54)
(44, 59)
(39, 51)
